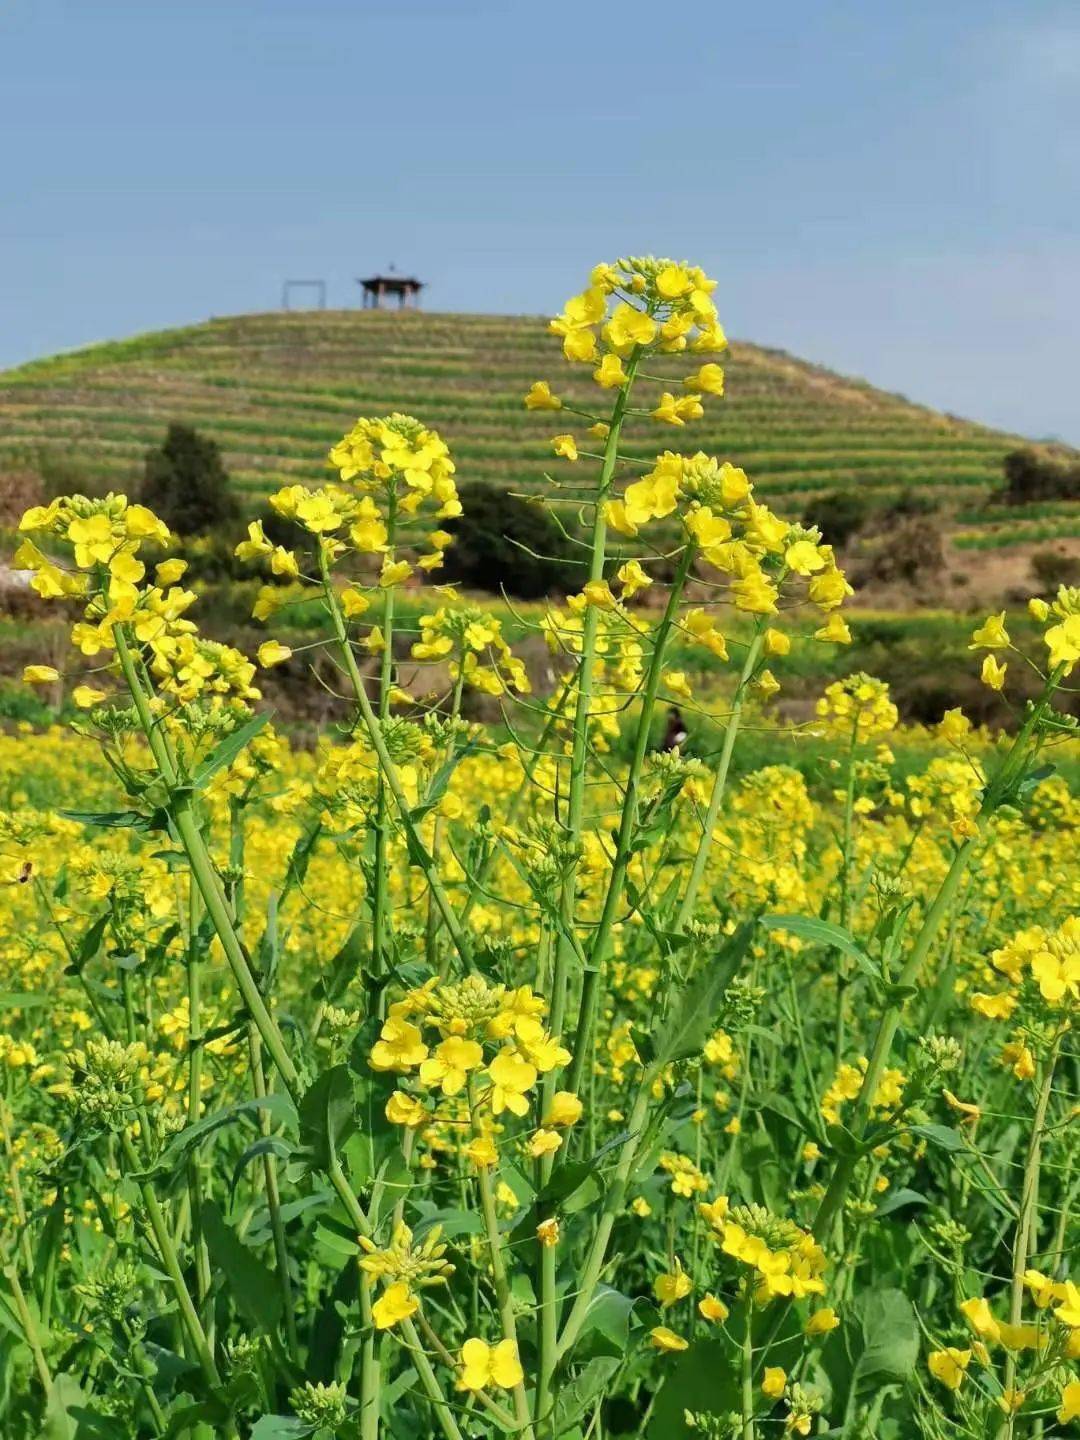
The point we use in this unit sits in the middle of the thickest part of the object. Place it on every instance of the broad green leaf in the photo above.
(822, 932)
(694, 1011)
(178, 1148)
(226, 751)
(253, 1288)
(327, 1115)
(583, 1391)
(942, 1136)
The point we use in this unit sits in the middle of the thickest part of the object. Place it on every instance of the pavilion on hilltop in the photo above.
(379, 288)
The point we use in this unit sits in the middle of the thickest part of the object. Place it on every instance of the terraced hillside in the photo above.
(274, 390)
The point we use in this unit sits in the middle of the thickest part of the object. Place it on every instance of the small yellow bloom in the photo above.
(565, 445)
(565, 1109)
(661, 1338)
(773, 1382)
(40, 675)
(822, 1321)
(712, 1309)
(272, 652)
(86, 697)
(541, 398)
(547, 1232)
(993, 673)
(991, 634)
(396, 1303)
(483, 1365)
(949, 1366)
(671, 1288)
(544, 1142)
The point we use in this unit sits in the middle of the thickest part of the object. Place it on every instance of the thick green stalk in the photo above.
(716, 798)
(1011, 771)
(439, 1402)
(748, 1374)
(273, 1199)
(627, 825)
(206, 878)
(167, 1254)
(194, 1106)
(418, 853)
(29, 1328)
(583, 706)
(613, 1204)
(1028, 1219)
(381, 894)
(202, 868)
(498, 1274)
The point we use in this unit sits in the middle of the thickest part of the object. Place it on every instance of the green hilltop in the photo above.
(275, 390)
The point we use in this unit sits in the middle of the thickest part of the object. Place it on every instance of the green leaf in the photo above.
(583, 1391)
(253, 1288)
(877, 1344)
(898, 1199)
(440, 780)
(281, 1427)
(327, 1115)
(694, 1011)
(118, 819)
(178, 1148)
(942, 1136)
(226, 751)
(265, 1145)
(69, 1416)
(822, 932)
(703, 1378)
(22, 1000)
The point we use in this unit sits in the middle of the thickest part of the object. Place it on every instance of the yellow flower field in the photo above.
(532, 1079)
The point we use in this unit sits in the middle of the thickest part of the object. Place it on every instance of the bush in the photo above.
(838, 515)
(186, 483)
(1035, 475)
(1052, 568)
(504, 543)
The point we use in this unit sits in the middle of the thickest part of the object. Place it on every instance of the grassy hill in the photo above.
(275, 390)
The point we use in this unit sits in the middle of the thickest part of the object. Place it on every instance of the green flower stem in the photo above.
(417, 851)
(498, 1273)
(613, 1204)
(1011, 771)
(15, 1186)
(213, 897)
(628, 821)
(1028, 1218)
(194, 1107)
(580, 726)
(29, 1328)
(381, 894)
(370, 1381)
(443, 1411)
(716, 798)
(205, 875)
(748, 1373)
(843, 977)
(167, 1254)
(273, 1198)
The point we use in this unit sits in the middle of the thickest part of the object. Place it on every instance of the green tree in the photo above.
(186, 483)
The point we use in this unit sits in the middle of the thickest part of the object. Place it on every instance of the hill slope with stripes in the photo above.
(275, 390)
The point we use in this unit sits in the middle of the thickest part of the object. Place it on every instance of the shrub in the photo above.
(502, 542)
(1053, 568)
(186, 483)
(838, 515)
(1037, 475)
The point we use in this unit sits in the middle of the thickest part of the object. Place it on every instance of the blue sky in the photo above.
(887, 189)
